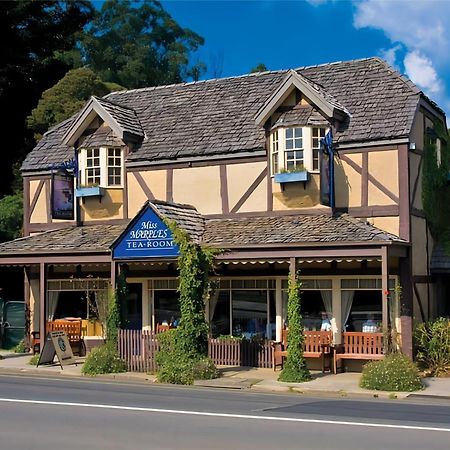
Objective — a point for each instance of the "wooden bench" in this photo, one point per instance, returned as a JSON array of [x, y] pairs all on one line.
[[359, 346], [72, 329], [316, 345]]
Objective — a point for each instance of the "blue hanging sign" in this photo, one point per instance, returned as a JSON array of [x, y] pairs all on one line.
[[147, 236]]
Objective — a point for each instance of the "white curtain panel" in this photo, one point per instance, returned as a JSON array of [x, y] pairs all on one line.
[[52, 303], [347, 301]]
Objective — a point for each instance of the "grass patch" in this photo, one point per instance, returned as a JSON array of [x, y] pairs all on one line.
[[34, 359]]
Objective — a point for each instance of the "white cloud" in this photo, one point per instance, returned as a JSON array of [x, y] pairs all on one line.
[[420, 70], [390, 55], [419, 24]]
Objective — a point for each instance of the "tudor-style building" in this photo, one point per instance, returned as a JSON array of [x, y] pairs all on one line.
[[236, 162]]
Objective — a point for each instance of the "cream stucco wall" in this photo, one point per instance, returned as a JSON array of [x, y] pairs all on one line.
[[39, 214], [200, 187], [383, 166], [239, 178], [348, 182], [109, 206], [296, 195], [389, 224], [417, 132], [414, 163], [155, 179]]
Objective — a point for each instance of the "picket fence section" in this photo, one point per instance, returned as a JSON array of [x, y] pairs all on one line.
[[138, 349]]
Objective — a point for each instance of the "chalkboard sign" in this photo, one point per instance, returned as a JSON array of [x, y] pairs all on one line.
[[57, 343]]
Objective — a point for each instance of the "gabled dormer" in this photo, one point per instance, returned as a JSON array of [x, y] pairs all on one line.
[[296, 117]]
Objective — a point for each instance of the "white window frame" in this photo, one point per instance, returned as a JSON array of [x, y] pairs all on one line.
[[103, 166], [280, 151]]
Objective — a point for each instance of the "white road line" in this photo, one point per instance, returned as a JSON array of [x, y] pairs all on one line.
[[224, 415]]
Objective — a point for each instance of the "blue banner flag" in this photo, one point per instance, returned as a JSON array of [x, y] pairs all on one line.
[[327, 170]]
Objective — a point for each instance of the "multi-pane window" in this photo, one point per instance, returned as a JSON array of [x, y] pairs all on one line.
[[93, 166], [114, 165], [101, 167], [296, 148], [317, 135], [275, 165], [294, 152]]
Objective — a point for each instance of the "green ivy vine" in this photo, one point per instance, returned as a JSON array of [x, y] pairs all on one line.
[[294, 369], [435, 189]]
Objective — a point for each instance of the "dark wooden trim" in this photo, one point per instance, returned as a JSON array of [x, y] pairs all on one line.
[[55, 259], [345, 151], [373, 180], [407, 335], [416, 183], [417, 213], [250, 190], [36, 177], [417, 151], [27, 300], [419, 302], [207, 163], [365, 180], [224, 188], [169, 185], [125, 195], [38, 227], [36, 198], [144, 186], [42, 295], [301, 253], [26, 207], [113, 274], [269, 190], [403, 191], [293, 212], [48, 194], [423, 279], [371, 211], [385, 287]]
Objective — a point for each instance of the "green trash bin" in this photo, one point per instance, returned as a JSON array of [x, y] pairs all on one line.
[[12, 323]]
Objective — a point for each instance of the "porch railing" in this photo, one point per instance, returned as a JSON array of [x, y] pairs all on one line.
[[138, 349]]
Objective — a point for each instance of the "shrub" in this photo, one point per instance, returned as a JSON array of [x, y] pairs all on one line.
[[396, 372], [20, 347], [433, 346], [178, 367], [103, 359], [34, 359]]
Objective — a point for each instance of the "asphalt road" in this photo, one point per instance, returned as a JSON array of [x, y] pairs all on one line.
[[43, 413]]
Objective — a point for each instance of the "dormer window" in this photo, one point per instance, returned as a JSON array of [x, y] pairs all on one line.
[[295, 148], [101, 166]]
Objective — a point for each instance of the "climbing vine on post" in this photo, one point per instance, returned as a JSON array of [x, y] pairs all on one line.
[[435, 189], [183, 355], [294, 369]]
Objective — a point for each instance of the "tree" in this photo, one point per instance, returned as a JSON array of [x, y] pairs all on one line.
[[259, 68], [139, 46], [31, 34], [67, 97], [295, 370]]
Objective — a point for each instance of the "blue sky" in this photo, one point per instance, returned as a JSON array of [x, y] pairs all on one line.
[[413, 36]]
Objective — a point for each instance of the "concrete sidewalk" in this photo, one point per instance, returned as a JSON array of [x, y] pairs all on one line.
[[261, 380]]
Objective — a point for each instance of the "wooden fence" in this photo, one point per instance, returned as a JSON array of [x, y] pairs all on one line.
[[138, 349]]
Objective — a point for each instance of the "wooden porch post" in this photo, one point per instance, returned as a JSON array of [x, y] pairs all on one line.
[[42, 301], [292, 269], [27, 294], [113, 274], [278, 309], [384, 288]]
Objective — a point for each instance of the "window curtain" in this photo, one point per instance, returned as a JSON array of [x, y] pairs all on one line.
[[347, 302], [212, 304], [327, 298], [52, 303]]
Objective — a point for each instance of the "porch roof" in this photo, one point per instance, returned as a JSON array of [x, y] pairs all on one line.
[[251, 232], [440, 259]]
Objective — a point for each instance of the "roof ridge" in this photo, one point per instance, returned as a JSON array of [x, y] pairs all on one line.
[[104, 99]]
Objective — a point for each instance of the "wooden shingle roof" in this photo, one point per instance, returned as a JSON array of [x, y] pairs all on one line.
[[217, 117]]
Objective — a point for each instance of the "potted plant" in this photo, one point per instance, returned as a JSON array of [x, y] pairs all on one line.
[[297, 173], [89, 190]]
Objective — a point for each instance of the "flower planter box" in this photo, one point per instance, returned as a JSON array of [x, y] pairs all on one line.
[[291, 177], [89, 191]]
